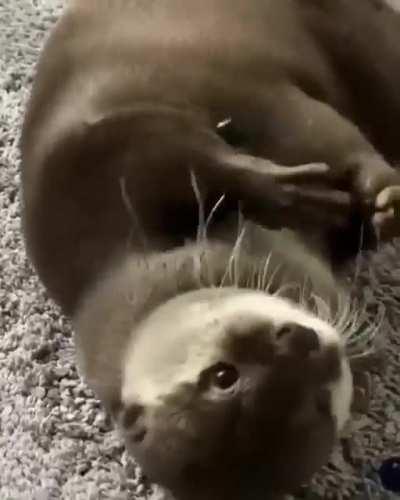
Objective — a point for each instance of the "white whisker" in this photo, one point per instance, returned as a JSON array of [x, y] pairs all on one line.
[[127, 201], [272, 277], [359, 257], [201, 222], [264, 281], [212, 213], [323, 310], [234, 255]]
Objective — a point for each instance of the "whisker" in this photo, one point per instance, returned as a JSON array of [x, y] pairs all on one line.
[[344, 315], [323, 310], [234, 255], [127, 201], [212, 213], [264, 282], [359, 257], [240, 237], [201, 222], [359, 342], [272, 277]]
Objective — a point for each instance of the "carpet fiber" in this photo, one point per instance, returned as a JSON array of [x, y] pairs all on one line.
[[55, 442]]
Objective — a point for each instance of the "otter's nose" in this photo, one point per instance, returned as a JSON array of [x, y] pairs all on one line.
[[297, 340]]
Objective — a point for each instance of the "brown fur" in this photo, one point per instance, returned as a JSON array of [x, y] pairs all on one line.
[[298, 78], [123, 117]]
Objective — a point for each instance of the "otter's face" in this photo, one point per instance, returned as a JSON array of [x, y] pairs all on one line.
[[223, 388]]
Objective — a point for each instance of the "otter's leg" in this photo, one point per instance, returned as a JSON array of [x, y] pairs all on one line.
[[301, 129], [281, 196], [273, 195]]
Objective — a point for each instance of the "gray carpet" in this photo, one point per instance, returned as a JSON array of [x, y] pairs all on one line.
[[55, 442]]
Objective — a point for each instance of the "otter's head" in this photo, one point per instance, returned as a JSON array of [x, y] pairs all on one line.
[[226, 389]]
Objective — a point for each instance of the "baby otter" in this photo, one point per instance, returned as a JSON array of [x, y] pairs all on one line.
[[147, 126]]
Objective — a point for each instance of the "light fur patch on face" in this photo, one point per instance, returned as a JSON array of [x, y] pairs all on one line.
[[185, 336]]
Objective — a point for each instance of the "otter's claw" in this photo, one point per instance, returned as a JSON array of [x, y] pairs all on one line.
[[386, 219]]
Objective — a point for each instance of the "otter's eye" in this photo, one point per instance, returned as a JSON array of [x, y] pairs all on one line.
[[222, 376]]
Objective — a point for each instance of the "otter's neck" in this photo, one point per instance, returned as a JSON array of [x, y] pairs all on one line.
[[109, 314], [108, 317]]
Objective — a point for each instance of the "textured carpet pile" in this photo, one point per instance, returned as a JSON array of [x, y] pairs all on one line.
[[55, 442]]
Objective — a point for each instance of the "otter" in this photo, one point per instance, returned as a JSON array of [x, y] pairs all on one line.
[[189, 172]]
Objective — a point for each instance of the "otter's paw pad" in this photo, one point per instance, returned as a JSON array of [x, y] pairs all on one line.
[[386, 219]]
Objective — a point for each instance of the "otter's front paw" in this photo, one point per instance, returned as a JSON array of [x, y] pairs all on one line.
[[386, 219], [377, 186]]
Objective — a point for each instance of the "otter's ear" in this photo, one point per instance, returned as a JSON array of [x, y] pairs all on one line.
[[125, 416], [129, 415], [113, 409], [131, 423]]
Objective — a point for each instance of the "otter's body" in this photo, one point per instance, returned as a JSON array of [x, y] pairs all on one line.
[[142, 115], [116, 77]]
